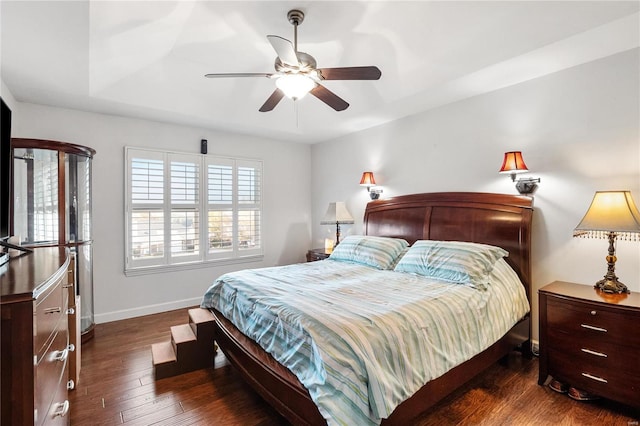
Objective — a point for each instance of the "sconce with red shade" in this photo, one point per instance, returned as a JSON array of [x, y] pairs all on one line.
[[369, 181], [513, 164]]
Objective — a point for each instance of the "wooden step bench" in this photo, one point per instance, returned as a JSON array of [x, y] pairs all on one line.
[[191, 347]]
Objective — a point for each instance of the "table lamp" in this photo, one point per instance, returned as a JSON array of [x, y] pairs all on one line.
[[611, 215], [337, 213]]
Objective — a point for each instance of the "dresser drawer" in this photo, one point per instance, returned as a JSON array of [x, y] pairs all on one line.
[[59, 410], [595, 377], [595, 351], [52, 376], [590, 321], [51, 307]]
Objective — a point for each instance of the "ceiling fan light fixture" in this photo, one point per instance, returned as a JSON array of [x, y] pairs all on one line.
[[295, 86]]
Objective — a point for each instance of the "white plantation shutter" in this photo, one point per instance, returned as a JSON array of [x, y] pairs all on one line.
[[185, 207], [249, 205], [220, 214], [190, 209], [146, 245], [234, 189]]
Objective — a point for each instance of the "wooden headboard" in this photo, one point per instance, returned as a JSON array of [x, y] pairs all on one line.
[[497, 219]]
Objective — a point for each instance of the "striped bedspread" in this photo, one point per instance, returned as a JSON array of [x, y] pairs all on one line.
[[362, 340]]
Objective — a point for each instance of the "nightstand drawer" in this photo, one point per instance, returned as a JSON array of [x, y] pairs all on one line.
[[595, 378], [587, 321], [606, 355]]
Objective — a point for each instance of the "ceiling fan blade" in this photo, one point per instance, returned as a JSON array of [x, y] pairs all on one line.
[[239, 74], [350, 73], [273, 100], [284, 49], [329, 98]]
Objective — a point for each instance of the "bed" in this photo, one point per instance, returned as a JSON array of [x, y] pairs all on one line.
[[493, 219]]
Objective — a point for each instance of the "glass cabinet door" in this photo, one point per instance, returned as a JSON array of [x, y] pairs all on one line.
[[78, 194], [35, 204]]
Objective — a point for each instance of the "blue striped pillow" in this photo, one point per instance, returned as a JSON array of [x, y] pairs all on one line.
[[379, 252], [453, 261]]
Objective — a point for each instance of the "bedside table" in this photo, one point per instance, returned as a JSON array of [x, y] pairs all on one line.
[[317, 254], [590, 340]]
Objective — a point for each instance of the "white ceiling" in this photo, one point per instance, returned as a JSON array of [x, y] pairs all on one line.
[[147, 59]]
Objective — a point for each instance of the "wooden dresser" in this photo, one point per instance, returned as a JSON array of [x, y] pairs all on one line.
[[591, 340], [34, 297]]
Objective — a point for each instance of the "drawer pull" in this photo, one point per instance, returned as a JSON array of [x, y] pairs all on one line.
[[589, 351], [596, 378], [62, 409], [591, 327], [593, 312], [71, 385], [71, 311], [60, 355], [53, 310]]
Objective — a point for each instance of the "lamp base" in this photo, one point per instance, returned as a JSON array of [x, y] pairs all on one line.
[[611, 286]]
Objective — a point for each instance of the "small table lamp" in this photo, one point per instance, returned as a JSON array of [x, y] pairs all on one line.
[[611, 214], [337, 213]]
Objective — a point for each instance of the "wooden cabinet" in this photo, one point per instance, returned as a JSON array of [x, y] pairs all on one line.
[[317, 254], [35, 337], [52, 206], [591, 340]]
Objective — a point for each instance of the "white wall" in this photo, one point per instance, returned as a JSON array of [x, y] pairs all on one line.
[[286, 201], [7, 96], [578, 131]]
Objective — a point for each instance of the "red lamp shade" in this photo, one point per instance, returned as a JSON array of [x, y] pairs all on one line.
[[513, 163], [367, 179]]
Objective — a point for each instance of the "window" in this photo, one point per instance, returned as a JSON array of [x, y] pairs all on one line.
[[187, 209]]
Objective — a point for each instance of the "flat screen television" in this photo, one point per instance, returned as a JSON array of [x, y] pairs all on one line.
[[5, 171], [6, 160]]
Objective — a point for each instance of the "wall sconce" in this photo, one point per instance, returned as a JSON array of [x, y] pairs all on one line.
[[514, 164], [611, 214], [369, 181], [337, 213]]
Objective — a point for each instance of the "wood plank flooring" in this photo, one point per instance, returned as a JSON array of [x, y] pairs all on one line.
[[117, 386]]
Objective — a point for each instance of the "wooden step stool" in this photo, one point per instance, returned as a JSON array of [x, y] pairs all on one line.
[[191, 347]]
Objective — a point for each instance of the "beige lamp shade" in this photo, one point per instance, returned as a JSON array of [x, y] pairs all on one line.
[[610, 211], [337, 213]]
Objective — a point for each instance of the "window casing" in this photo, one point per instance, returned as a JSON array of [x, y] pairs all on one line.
[[190, 209]]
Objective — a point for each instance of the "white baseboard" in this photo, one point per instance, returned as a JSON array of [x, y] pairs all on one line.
[[535, 347], [146, 310]]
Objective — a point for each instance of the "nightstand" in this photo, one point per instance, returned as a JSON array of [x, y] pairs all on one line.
[[590, 340], [317, 254]]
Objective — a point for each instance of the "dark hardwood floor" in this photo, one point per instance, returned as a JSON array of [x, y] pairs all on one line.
[[117, 387]]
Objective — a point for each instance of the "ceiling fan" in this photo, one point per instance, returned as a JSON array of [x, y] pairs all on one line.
[[296, 73]]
